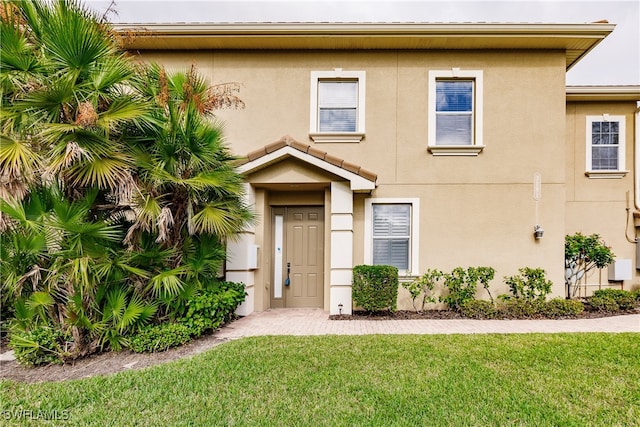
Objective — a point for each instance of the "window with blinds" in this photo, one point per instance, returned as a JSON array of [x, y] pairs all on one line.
[[337, 105], [454, 112], [391, 235], [605, 138]]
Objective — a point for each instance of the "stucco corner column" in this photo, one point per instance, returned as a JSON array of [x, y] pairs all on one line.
[[242, 260], [341, 248]]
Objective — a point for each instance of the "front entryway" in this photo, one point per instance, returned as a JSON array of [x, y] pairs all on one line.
[[298, 256]]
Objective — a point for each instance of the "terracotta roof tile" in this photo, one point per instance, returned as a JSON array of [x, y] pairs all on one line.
[[287, 140]]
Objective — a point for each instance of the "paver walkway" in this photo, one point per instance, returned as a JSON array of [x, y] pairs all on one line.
[[316, 322]]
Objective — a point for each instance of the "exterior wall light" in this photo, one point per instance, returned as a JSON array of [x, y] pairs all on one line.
[[538, 232], [340, 308]]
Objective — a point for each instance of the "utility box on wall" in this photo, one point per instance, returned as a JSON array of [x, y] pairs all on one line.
[[619, 270]]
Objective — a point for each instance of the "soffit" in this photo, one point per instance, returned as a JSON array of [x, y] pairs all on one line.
[[575, 39], [603, 93]]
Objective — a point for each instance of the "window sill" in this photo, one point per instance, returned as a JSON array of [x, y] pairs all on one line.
[[337, 137], [606, 174], [455, 150]]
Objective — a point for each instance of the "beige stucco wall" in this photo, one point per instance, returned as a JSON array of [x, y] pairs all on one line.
[[474, 210], [600, 205]]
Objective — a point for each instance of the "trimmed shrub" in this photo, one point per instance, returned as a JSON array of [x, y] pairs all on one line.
[[560, 307], [604, 303], [518, 308], [208, 309], [479, 309], [41, 345], [625, 299], [375, 287], [160, 337], [530, 284]]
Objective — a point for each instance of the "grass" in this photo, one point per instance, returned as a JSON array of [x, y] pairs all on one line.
[[383, 380]]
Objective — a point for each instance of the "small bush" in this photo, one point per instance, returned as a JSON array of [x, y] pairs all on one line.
[[41, 345], [604, 303], [518, 308], [375, 287], [160, 337], [421, 289], [625, 299], [560, 307], [208, 309], [462, 285], [479, 309], [530, 284]]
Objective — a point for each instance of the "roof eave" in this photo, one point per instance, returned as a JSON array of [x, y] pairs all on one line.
[[628, 93], [576, 39]]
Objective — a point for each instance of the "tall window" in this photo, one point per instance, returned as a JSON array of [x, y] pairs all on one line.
[[391, 233], [605, 143], [455, 112], [337, 106]]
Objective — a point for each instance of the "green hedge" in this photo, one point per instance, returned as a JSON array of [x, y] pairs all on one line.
[[613, 300], [159, 337], [208, 309], [42, 345], [375, 287]]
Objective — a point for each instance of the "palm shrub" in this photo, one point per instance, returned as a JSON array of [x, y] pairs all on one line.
[[117, 189]]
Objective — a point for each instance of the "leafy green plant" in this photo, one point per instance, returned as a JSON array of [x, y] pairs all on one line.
[[375, 287], [207, 309], [518, 308], [604, 303], [462, 285], [530, 284], [42, 345], [421, 288], [159, 337], [625, 299], [479, 309], [581, 255], [561, 307]]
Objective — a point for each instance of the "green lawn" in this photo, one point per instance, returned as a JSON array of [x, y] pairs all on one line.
[[532, 379]]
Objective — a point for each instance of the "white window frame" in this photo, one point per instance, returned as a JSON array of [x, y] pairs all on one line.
[[337, 74], [476, 145], [414, 244], [620, 171]]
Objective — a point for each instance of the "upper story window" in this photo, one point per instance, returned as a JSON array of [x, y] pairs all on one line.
[[337, 106], [455, 112], [605, 146], [391, 233]]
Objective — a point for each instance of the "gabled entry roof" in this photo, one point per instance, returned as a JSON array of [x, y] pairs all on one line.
[[360, 179]]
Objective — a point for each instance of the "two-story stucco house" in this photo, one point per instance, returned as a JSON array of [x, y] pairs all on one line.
[[416, 145]]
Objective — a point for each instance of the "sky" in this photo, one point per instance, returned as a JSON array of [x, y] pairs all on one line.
[[615, 61]]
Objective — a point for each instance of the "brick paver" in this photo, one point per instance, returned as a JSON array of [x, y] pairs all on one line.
[[316, 322]]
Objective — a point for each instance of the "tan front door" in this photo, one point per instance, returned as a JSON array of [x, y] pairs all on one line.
[[302, 261]]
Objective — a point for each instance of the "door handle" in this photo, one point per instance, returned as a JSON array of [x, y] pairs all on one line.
[[287, 281]]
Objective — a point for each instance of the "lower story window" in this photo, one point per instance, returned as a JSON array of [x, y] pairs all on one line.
[[391, 233]]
